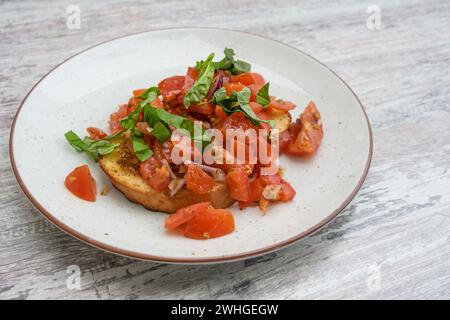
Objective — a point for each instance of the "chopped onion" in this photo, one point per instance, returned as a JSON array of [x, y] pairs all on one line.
[[175, 185], [166, 164], [272, 192]]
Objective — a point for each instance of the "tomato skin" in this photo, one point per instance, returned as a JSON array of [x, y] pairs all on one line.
[[96, 133], [197, 180], [238, 184], [138, 92], [171, 87], [220, 114], [287, 192], [256, 189], [307, 133], [114, 119], [157, 103], [248, 78], [254, 89], [280, 105], [205, 108], [190, 78], [211, 223], [154, 174], [233, 86], [185, 214], [81, 183]]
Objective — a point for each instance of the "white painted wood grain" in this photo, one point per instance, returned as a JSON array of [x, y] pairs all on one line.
[[393, 241]]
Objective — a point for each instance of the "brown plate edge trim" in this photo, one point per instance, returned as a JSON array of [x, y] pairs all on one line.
[[146, 257]]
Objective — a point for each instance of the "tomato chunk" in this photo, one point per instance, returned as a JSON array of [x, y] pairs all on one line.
[[96, 133], [197, 180], [171, 87], [185, 214], [81, 183], [114, 120], [280, 105], [211, 223], [238, 184], [234, 86], [154, 174], [307, 140], [248, 78], [138, 92]]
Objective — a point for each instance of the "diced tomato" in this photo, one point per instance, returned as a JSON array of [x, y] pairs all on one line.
[[171, 87], [157, 103], [254, 89], [255, 193], [185, 214], [238, 184], [236, 120], [96, 133], [287, 192], [284, 140], [190, 78], [308, 139], [281, 105], [81, 183], [234, 86], [154, 174], [205, 108], [211, 223], [114, 119], [138, 92], [273, 179], [220, 114], [256, 107], [249, 78], [197, 180]]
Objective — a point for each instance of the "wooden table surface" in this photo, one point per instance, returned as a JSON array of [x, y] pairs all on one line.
[[392, 241]]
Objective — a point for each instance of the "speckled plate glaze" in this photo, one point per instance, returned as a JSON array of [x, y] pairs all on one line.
[[85, 89]]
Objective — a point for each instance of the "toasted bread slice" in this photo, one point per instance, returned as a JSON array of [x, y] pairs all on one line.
[[122, 169]]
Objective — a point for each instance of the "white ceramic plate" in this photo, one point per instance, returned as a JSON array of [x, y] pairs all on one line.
[[85, 89]]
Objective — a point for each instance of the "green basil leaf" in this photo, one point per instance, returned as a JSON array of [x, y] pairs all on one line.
[[107, 149], [91, 147], [161, 132], [150, 94], [201, 86], [115, 135], [127, 123], [150, 115], [229, 63], [140, 148], [75, 141], [169, 118], [262, 97]]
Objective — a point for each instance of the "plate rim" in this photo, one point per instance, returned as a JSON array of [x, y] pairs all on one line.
[[161, 259]]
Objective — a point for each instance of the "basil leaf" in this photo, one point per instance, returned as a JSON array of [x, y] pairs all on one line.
[[150, 94], [91, 147], [115, 135], [229, 63], [107, 149], [239, 102], [161, 132], [75, 141], [140, 148], [262, 97], [201, 86], [240, 66], [169, 118]]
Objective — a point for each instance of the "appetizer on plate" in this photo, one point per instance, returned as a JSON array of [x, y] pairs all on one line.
[[196, 143]]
